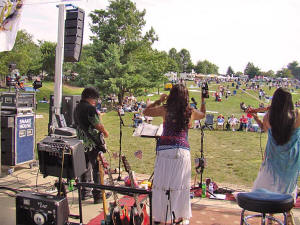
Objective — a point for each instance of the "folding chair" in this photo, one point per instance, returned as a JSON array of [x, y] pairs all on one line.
[[209, 122]]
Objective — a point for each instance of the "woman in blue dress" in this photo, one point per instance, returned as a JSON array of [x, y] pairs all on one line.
[[281, 164]]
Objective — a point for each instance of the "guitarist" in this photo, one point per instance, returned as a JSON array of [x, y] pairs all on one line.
[[89, 128]]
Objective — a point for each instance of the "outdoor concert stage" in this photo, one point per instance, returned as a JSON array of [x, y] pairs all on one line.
[[205, 211]]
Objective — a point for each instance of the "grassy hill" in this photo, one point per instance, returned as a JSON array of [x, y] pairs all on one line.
[[232, 157]]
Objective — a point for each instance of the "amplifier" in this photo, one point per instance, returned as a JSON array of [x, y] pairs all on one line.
[[37, 208], [54, 152], [13, 100]]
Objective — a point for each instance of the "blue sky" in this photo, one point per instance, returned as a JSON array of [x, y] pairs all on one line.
[[225, 32]]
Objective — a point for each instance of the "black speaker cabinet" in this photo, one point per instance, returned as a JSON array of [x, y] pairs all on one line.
[[68, 105], [37, 208], [57, 154]]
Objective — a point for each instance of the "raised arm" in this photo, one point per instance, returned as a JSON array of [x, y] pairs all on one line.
[[198, 115], [155, 108]]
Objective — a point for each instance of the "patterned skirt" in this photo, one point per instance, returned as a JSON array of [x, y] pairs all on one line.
[[171, 185]]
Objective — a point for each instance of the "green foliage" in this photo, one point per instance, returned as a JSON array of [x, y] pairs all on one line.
[[295, 69], [239, 73], [251, 70], [284, 73], [121, 59], [206, 67], [269, 73], [230, 71], [47, 49], [25, 54]]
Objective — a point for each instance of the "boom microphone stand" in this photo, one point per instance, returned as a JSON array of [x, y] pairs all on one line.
[[120, 152]]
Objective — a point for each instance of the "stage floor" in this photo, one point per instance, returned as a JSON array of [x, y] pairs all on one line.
[[205, 211]]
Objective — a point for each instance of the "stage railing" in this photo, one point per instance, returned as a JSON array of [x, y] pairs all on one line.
[[122, 190]]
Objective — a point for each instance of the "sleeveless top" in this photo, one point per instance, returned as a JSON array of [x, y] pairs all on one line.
[[171, 139], [280, 169]]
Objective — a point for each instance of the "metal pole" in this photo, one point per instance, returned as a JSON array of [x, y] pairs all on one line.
[[0, 138], [59, 60]]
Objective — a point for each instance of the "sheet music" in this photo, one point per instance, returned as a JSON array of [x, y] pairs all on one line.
[[148, 130]]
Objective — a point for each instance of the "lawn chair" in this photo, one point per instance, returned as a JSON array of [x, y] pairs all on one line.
[[209, 122]]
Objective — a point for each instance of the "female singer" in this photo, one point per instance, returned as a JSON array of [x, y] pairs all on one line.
[[281, 165], [172, 172]]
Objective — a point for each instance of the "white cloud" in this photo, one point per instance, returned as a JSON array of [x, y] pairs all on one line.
[[227, 33]]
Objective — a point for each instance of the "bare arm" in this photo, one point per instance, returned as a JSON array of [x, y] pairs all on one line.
[[297, 118], [155, 109], [264, 125], [102, 129], [198, 115]]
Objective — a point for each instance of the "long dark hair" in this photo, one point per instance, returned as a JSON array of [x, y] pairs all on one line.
[[282, 116], [178, 109]]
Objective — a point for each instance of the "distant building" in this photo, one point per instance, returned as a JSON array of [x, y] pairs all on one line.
[[172, 76]]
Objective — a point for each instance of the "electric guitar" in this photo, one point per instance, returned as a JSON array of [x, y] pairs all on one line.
[[115, 209], [101, 173], [136, 214]]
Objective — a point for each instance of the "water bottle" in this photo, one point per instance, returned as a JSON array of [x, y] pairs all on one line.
[[211, 188], [203, 190]]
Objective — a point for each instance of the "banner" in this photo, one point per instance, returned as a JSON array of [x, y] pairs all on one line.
[[10, 15]]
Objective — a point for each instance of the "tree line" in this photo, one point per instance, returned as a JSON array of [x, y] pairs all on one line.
[[120, 57]]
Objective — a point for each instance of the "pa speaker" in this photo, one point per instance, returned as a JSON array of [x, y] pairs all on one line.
[[74, 25]]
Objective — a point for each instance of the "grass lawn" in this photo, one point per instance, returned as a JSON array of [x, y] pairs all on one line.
[[232, 157]]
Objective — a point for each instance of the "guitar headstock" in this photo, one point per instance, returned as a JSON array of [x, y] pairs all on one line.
[[102, 160], [126, 164]]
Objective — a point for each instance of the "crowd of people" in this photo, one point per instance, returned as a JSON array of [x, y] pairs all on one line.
[[172, 171]]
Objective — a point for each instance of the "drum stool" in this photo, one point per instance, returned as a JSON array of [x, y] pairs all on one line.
[[264, 203]]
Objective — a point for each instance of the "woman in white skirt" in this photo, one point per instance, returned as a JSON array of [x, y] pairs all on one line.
[[172, 172]]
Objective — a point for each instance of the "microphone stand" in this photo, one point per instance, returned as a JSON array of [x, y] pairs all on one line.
[[201, 164], [120, 152]]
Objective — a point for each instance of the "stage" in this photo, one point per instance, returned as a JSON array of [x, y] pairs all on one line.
[[205, 211]]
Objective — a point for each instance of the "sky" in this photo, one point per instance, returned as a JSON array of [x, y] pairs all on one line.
[[224, 32]]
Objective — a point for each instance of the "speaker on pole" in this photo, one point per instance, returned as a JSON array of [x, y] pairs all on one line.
[[74, 25]]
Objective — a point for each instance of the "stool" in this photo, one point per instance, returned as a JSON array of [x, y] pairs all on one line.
[[264, 203]]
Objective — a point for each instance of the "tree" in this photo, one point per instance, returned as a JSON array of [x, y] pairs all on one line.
[[251, 70], [122, 54], [239, 73], [25, 54], [206, 67], [230, 71], [47, 49], [284, 73], [269, 73], [185, 62], [295, 69]]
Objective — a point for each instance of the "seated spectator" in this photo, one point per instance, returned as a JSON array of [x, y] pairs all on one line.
[[121, 111], [220, 121], [261, 105], [243, 123], [243, 106], [249, 118], [197, 124], [193, 104], [137, 119], [233, 122]]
